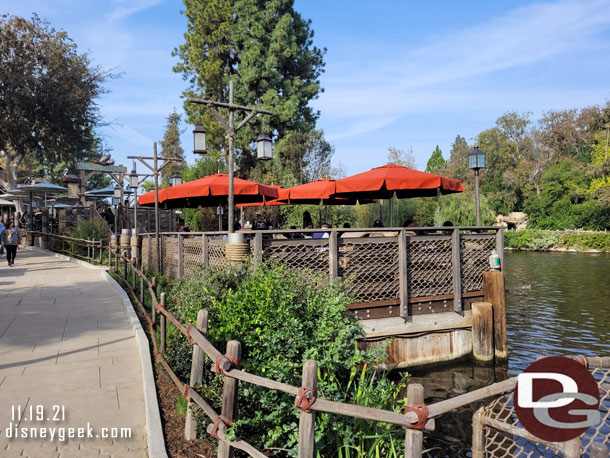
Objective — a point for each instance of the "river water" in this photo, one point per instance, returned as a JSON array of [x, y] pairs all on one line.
[[556, 304]]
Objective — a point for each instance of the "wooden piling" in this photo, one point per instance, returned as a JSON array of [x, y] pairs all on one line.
[[307, 420], [197, 366], [482, 332], [163, 330], [152, 301], [229, 396], [414, 439], [478, 435], [493, 287], [598, 450]]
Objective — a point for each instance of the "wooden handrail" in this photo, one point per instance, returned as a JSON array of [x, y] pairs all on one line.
[[322, 405]]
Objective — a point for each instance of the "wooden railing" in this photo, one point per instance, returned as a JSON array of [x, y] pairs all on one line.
[[137, 284], [392, 269], [87, 249]]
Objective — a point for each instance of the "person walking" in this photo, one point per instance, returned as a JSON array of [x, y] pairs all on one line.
[[1, 244], [11, 238]]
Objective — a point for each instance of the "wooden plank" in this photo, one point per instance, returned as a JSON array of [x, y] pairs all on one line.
[[457, 271], [414, 439], [493, 286], [307, 420], [229, 397], [258, 249], [482, 332], [163, 330], [421, 324], [412, 300], [197, 366], [205, 250], [403, 275], [333, 252], [180, 256]]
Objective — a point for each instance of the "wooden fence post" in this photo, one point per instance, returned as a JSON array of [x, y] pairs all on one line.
[[149, 248], [307, 420], [229, 396], [482, 332], [333, 256], [598, 450], [205, 250], [154, 310], [180, 257], [493, 287], [142, 291], [403, 274], [500, 246], [571, 448], [163, 319], [478, 436], [457, 271], [197, 367], [414, 439], [125, 270], [258, 249]]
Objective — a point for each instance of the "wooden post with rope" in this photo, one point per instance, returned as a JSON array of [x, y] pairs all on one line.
[[307, 420], [197, 367], [163, 331], [229, 397], [414, 438]]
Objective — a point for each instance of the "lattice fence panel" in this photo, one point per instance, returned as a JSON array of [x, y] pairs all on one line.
[[170, 259], [429, 267], [602, 432], [193, 255], [499, 444], [153, 255], [145, 252], [311, 255], [217, 256], [370, 269], [474, 253]]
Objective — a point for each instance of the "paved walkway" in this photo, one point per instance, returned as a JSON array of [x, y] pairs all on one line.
[[68, 357]]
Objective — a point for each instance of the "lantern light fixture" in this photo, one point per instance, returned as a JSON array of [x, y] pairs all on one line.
[[199, 139], [476, 159], [264, 146]]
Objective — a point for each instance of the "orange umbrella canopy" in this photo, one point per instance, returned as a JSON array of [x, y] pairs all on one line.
[[319, 191], [210, 191], [383, 182], [281, 200]]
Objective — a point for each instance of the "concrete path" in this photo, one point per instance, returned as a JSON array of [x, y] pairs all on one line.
[[68, 359]]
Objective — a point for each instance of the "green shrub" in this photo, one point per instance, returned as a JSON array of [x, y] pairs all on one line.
[[283, 318], [529, 239], [90, 229], [586, 240]]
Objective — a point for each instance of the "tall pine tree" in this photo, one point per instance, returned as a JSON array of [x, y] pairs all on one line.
[[436, 163], [170, 146], [267, 48]]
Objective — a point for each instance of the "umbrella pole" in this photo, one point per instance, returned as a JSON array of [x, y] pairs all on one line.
[[391, 211], [320, 213], [381, 210]]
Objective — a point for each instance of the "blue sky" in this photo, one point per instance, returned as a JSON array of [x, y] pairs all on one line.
[[402, 74]]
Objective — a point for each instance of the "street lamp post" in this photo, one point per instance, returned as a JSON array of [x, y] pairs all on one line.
[[116, 200], [263, 143], [156, 170], [476, 161]]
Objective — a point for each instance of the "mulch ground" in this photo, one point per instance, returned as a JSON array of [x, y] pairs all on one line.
[[173, 422]]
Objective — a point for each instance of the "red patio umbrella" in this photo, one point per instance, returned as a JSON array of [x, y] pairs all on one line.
[[281, 200], [383, 182], [210, 191], [320, 191]]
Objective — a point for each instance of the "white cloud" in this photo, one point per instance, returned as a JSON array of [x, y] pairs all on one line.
[[440, 75]]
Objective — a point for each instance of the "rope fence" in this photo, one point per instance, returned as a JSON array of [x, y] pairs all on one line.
[[417, 418]]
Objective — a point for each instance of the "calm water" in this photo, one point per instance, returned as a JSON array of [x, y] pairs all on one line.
[[557, 304]]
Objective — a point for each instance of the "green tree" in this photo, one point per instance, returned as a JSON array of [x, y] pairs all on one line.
[[457, 166], [170, 146], [305, 154], [436, 163], [48, 90], [266, 47], [401, 157]]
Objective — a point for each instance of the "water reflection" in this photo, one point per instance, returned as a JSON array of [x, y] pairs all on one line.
[[557, 304]]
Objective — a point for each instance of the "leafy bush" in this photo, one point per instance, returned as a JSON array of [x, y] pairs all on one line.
[[90, 229], [283, 318], [532, 239], [529, 239], [586, 240]]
